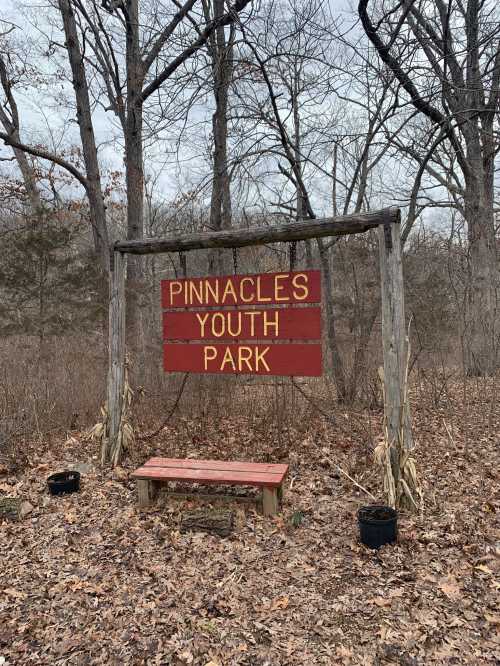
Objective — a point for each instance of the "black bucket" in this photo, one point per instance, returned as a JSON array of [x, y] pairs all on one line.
[[64, 482], [378, 525]]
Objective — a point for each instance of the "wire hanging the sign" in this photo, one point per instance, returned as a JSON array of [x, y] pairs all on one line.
[[183, 264], [235, 260], [293, 254]]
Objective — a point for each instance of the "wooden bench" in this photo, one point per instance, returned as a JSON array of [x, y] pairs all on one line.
[[158, 471]]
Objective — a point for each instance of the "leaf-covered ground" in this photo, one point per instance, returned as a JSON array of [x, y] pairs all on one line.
[[90, 579]]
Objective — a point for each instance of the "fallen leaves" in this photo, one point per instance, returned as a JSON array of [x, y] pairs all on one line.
[[90, 579], [14, 594], [25, 508], [279, 603], [450, 588], [492, 619], [381, 602]]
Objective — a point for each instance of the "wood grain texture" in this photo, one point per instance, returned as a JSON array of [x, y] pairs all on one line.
[[144, 492], [217, 521], [393, 338], [116, 368], [270, 503], [223, 477], [292, 360], [294, 231], [270, 324], [284, 288], [220, 465]]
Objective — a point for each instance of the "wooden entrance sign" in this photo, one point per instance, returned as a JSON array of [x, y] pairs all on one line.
[[258, 339], [386, 220]]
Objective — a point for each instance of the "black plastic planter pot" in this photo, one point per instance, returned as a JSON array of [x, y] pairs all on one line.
[[378, 525], [64, 482]]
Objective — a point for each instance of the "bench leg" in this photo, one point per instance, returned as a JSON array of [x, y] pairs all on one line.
[[145, 492], [270, 501]]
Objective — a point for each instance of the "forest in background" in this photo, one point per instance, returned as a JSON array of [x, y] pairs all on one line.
[[128, 119], [215, 116]]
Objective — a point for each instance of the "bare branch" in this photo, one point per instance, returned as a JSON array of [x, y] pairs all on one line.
[[45, 155], [225, 19]]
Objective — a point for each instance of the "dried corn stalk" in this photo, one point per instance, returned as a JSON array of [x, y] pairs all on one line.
[[401, 485], [126, 436]]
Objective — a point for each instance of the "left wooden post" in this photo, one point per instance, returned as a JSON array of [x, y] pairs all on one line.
[[116, 350]]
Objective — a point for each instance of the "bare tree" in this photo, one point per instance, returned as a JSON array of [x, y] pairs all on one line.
[[446, 56], [9, 118], [85, 124], [331, 119], [155, 46], [220, 48], [90, 179]]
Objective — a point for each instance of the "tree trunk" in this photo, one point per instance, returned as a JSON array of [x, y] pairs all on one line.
[[300, 205], [464, 108], [11, 126], [28, 178], [84, 116], [481, 302], [331, 334], [134, 177], [222, 66]]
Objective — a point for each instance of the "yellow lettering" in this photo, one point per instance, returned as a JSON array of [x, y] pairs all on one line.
[[214, 292], [218, 316], [228, 358], [260, 298], [175, 290], [302, 287], [198, 293], [252, 314], [271, 324], [251, 297], [244, 358], [237, 315], [279, 287], [202, 321], [229, 289], [206, 357], [259, 357]]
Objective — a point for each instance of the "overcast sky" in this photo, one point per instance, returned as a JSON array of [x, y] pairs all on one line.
[[54, 124]]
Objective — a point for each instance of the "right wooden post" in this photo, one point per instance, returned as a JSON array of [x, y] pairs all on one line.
[[395, 349]]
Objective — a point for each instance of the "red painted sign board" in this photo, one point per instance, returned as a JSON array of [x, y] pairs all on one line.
[[284, 288], [244, 324], [236, 309], [300, 360]]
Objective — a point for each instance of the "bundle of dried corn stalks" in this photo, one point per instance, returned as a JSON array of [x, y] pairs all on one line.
[[401, 485], [126, 436]]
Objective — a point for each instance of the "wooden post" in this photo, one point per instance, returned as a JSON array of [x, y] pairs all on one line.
[[270, 501], [394, 345], [144, 492], [116, 371]]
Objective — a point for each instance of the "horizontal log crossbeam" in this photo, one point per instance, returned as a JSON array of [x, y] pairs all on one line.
[[293, 231], [394, 334]]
